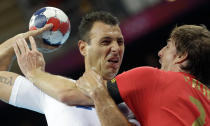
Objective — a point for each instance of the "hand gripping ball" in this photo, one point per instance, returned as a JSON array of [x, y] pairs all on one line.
[[58, 34]]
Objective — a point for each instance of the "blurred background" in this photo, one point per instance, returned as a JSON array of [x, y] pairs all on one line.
[[146, 25]]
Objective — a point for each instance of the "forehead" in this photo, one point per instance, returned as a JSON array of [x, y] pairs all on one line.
[[100, 29], [170, 41]]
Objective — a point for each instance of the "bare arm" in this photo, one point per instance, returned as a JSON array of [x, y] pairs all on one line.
[[108, 112], [7, 80], [93, 86], [32, 64], [6, 48], [59, 87]]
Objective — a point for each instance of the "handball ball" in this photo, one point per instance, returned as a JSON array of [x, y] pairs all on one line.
[[58, 34]]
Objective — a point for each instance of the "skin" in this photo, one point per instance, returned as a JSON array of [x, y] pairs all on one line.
[[103, 54], [105, 51], [93, 85], [170, 59], [7, 51], [7, 78]]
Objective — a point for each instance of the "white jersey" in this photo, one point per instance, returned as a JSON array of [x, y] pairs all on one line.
[[25, 95]]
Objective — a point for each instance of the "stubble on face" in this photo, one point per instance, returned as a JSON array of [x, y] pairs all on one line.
[[167, 56], [100, 35]]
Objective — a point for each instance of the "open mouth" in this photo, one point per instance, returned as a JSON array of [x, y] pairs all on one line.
[[113, 60]]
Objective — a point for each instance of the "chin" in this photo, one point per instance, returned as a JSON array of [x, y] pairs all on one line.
[[109, 76]]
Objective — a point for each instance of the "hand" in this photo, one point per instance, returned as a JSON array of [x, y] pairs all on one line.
[[7, 51], [34, 32], [92, 84], [28, 60]]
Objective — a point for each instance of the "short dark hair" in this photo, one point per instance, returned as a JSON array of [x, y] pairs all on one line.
[[89, 19], [195, 41]]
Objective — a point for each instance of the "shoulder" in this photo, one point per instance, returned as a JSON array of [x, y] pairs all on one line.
[[139, 78], [139, 71]]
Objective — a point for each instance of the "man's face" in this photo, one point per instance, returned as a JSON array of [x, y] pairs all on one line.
[[168, 55], [105, 50]]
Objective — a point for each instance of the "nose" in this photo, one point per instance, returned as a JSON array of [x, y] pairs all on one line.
[[160, 53], [115, 47]]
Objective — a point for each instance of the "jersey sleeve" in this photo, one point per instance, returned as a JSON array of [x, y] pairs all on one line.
[[25, 95], [136, 80], [114, 91], [136, 85]]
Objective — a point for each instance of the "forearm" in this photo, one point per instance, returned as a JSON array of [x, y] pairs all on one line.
[[75, 97], [7, 80], [108, 112], [6, 54], [60, 88], [52, 85], [6, 47]]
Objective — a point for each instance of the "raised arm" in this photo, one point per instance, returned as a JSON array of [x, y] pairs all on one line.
[[6, 50], [32, 64], [7, 79]]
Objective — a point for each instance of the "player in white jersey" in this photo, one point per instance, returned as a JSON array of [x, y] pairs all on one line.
[[25, 95]]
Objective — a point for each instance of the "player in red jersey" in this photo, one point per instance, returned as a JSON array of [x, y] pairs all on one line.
[[177, 94], [163, 98]]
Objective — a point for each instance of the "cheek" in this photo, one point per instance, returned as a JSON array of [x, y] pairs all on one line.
[[170, 56], [95, 56], [122, 51]]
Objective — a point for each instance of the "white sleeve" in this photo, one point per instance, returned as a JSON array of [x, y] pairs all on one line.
[[25, 95]]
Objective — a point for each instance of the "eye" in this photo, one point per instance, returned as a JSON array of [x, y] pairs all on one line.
[[167, 46], [106, 42], [120, 41]]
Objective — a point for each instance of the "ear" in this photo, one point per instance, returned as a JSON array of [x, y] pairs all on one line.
[[181, 58], [82, 47]]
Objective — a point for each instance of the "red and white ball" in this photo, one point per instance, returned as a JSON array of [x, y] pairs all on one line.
[[61, 25]]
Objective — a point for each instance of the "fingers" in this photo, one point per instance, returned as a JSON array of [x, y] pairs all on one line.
[[33, 43], [38, 31], [21, 46], [25, 45], [47, 27], [17, 52], [93, 72], [43, 29]]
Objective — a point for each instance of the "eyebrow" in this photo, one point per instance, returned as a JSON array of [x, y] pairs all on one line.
[[106, 37]]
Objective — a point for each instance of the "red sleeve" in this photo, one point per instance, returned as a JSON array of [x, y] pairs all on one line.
[[136, 85]]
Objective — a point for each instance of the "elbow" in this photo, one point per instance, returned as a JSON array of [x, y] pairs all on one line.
[[69, 97], [74, 97], [65, 97]]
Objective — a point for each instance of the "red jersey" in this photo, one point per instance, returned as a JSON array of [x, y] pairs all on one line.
[[160, 98]]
